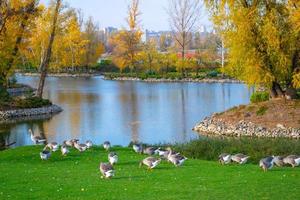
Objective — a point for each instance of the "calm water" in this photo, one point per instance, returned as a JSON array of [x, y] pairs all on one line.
[[124, 111]]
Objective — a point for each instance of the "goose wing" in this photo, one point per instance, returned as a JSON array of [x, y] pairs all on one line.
[[104, 167]]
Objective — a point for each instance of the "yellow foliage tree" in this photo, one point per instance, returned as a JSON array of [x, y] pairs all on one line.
[[72, 47], [127, 43], [149, 57], [94, 46], [167, 61], [16, 16], [263, 41]]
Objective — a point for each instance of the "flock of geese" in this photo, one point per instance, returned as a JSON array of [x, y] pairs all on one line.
[[107, 169], [265, 163]]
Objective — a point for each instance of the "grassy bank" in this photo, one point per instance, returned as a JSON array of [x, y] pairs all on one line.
[[24, 176], [24, 103], [209, 148]]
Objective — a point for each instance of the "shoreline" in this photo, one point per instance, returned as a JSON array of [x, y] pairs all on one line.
[[17, 115], [191, 80], [211, 126], [84, 75], [88, 75]]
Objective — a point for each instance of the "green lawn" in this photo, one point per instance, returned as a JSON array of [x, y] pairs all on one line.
[[24, 176]]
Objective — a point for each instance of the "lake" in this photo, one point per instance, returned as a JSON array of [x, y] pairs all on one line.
[[124, 111]]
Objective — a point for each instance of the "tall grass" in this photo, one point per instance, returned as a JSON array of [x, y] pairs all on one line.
[[256, 148]]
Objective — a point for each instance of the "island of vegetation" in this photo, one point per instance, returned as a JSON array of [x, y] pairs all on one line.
[[264, 51]]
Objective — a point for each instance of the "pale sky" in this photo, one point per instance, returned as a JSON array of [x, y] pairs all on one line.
[[113, 12]]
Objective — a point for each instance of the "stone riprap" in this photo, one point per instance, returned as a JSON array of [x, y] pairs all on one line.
[[62, 75], [218, 127], [30, 112], [175, 80]]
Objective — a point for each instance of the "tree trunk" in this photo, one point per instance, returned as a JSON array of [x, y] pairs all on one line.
[[182, 61], [276, 90], [46, 61]]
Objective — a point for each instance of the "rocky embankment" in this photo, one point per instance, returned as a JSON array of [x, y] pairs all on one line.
[[15, 114], [218, 127], [206, 80], [61, 75]]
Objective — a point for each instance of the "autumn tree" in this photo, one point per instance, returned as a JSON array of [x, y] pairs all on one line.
[[184, 17], [71, 45], [127, 43], [263, 41], [74, 44], [94, 46], [167, 61], [15, 16], [149, 56]]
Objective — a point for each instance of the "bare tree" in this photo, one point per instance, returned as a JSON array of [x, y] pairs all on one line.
[[184, 15], [46, 60]]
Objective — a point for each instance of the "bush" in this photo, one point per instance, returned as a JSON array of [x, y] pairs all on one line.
[[143, 76], [4, 96], [256, 148], [212, 74], [259, 97], [32, 102]]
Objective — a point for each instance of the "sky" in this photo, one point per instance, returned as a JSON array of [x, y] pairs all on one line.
[[113, 13]]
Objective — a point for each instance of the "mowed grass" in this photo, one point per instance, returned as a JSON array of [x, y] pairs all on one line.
[[23, 175]]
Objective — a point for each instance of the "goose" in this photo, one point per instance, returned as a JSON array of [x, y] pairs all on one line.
[[70, 143], [163, 153], [112, 158], [150, 162], [64, 150], [278, 161], [292, 160], [80, 147], [176, 159], [45, 155], [106, 170], [225, 158], [106, 145], [89, 144], [138, 148], [266, 163], [149, 151], [53, 146], [36, 139], [240, 158]]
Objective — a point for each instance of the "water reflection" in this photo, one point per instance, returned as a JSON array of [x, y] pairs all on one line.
[[122, 111]]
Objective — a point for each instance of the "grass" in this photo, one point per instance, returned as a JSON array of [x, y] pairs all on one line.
[[211, 147], [20, 103], [261, 111], [24, 176]]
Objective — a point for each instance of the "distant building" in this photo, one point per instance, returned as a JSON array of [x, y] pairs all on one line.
[[156, 37], [107, 33]]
